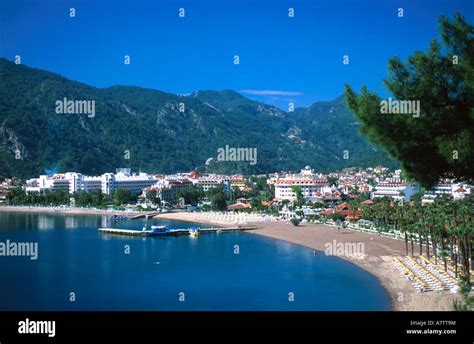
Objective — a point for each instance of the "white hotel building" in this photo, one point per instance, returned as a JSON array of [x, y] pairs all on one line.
[[395, 190], [446, 187], [310, 183], [107, 182]]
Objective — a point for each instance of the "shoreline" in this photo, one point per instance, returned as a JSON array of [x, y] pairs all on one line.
[[69, 210], [378, 254], [378, 251], [390, 292]]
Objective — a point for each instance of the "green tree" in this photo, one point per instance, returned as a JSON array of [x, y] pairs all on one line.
[[444, 85], [192, 195], [337, 217], [123, 196], [332, 180], [17, 196], [295, 222], [371, 181], [299, 195], [152, 197], [217, 197], [256, 203]]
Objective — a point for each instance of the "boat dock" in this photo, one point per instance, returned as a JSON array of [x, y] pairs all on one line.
[[171, 232], [146, 216]]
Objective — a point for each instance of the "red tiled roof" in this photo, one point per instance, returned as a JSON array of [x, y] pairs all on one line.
[[367, 202], [343, 206], [238, 206], [194, 174]]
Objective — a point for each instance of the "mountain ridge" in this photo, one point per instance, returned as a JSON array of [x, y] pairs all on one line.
[[156, 131]]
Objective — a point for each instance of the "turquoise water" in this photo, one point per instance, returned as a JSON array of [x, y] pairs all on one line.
[[157, 272]]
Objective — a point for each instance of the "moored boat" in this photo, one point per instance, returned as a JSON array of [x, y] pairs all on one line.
[[118, 217], [194, 231], [159, 230]]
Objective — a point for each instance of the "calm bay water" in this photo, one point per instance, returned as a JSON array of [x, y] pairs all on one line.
[[74, 257]]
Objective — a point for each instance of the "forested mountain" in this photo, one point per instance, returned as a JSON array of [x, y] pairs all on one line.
[[149, 130]]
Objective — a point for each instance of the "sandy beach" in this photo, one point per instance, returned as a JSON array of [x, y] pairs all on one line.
[[377, 259]]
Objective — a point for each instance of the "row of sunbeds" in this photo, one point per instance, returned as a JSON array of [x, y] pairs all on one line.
[[425, 275]]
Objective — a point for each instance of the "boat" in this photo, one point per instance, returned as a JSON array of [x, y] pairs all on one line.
[[118, 217], [159, 229], [219, 231], [194, 231]]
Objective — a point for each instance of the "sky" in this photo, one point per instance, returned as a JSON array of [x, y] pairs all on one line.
[[282, 59]]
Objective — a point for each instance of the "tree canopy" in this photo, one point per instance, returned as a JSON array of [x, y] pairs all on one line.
[[439, 141]]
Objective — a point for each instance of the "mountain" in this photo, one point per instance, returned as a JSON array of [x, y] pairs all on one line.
[[151, 131]]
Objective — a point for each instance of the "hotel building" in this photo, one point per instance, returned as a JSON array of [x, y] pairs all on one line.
[[447, 188], [76, 182], [167, 188], [395, 190], [312, 185]]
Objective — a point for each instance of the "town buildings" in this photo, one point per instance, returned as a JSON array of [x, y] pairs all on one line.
[[333, 188]]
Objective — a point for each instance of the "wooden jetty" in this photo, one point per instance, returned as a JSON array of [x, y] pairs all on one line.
[[171, 232]]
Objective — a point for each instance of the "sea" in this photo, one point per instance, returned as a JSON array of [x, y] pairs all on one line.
[[76, 267]]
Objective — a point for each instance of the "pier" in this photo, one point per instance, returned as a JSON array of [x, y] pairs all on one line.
[[146, 216], [171, 232]]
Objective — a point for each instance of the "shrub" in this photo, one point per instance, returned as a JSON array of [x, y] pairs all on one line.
[[295, 221]]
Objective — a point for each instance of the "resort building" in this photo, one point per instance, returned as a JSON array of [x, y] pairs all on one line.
[[447, 188], [5, 188], [76, 182], [79, 182], [239, 182], [44, 182], [461, 191], [212, 181], [134, 183], [345, 210], [167, 189], [310, 184], [398, 191]]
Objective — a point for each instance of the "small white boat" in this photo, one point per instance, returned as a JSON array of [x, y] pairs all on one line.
[[155, 230], [194, 231], [158, 227]]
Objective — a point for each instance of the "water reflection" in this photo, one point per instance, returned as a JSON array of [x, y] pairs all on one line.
[[71, 222]]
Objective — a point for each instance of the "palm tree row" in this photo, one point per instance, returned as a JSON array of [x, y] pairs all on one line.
[[445, 228]]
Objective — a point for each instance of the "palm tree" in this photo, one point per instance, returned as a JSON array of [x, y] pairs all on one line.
[[355, 204], [401, 217], [443, 225], [454, 231], [411, 225], [465, 232], [419, 225]]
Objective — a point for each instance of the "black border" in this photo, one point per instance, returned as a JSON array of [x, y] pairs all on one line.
[[374, 326]]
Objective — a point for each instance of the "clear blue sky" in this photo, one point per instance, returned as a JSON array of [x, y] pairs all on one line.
[[301, 55]]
